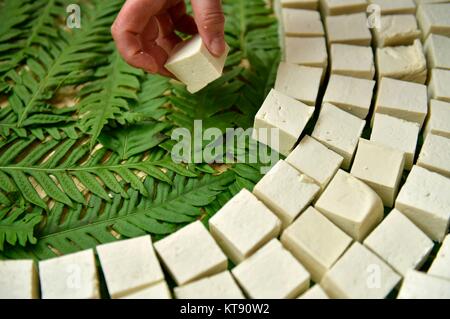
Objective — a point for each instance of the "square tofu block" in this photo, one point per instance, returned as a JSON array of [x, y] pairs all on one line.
[[129, 265], [401, 99], [352, 60], [380, 167], [316, 242], [441, 264], [220, 286], [300, 82], [71, 276], [315, 160], [353, 95], [272, 273], [424, 200], [191, 253], [193, 64], [243, 225], [418, 285], [437, 48], [283, 115], [438, 122], [395, 6], [302, 23], [18, 279], [351, 205], [435, 154], [307, 51], [315, 292], [398, 29], [360, 274], [348, 29], [439, 87], [405, 63], [335, 7], [157, 291], [286, 191], [339, 131], [400, 243], [434, 18], [397, 134], [300, 4]]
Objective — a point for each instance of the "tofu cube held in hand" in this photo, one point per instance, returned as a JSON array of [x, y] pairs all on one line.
[[194, 65]]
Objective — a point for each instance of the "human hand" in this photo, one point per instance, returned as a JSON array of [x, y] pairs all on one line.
[[144, 30]]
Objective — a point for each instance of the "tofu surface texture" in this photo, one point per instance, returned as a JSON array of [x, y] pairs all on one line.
[[360, 274], [438, 122], [338, 7], [418, 285], [220, 286], [243, 225], [315, 292], [437, 48], [316, 242], [441, 263], [300, 4], [395, 6], [434, 18], [72, 276], [18, 279], [435, 154], [308, 51], [351, 205], [193, 64], [424, 200], [302, 23], [191, 253], [400, 243], [352, 60], [439, 86], [129, 265], [286, 191], [157, 291], [397, 29], [348, 29]]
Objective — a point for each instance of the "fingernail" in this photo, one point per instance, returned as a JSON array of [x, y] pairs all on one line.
[[217, 46]]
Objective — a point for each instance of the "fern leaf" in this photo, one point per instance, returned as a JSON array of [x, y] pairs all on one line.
[[18, 226]]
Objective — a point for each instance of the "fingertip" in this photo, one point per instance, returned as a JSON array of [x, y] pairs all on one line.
[[217, 46]]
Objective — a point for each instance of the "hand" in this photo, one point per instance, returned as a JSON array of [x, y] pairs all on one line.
[[144, 30]]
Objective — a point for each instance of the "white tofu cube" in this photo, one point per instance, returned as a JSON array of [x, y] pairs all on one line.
[[299, 82], [352, 60], [395, 7], [71, 276], [339, 131], [397, 134], [156, 291], [400, 243], [395, 30], [316, 242], [434, 18], [18, 279], [272, 273], [286, 191], [439, 86], [336, 7], [315, 160], [129, 265], [424, 200], [220, 286], [380, 167], [315, 292], [193, 64], [435, 155], [348, 29], [300, 4], [352, 95], [351, 205], [401, 99], [418, 285], [437, 48], [307, 51], [441, 264], [302, 23], [191, 253], [284, 115], [439, 119], [405, 63], [360, 274], [243, 225]]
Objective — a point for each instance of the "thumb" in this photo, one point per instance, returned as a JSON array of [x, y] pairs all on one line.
[[211, 24]]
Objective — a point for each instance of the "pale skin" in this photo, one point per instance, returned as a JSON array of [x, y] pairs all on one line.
[[144, 30]]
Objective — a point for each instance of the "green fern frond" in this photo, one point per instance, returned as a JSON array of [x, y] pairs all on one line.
[[17, 226]]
